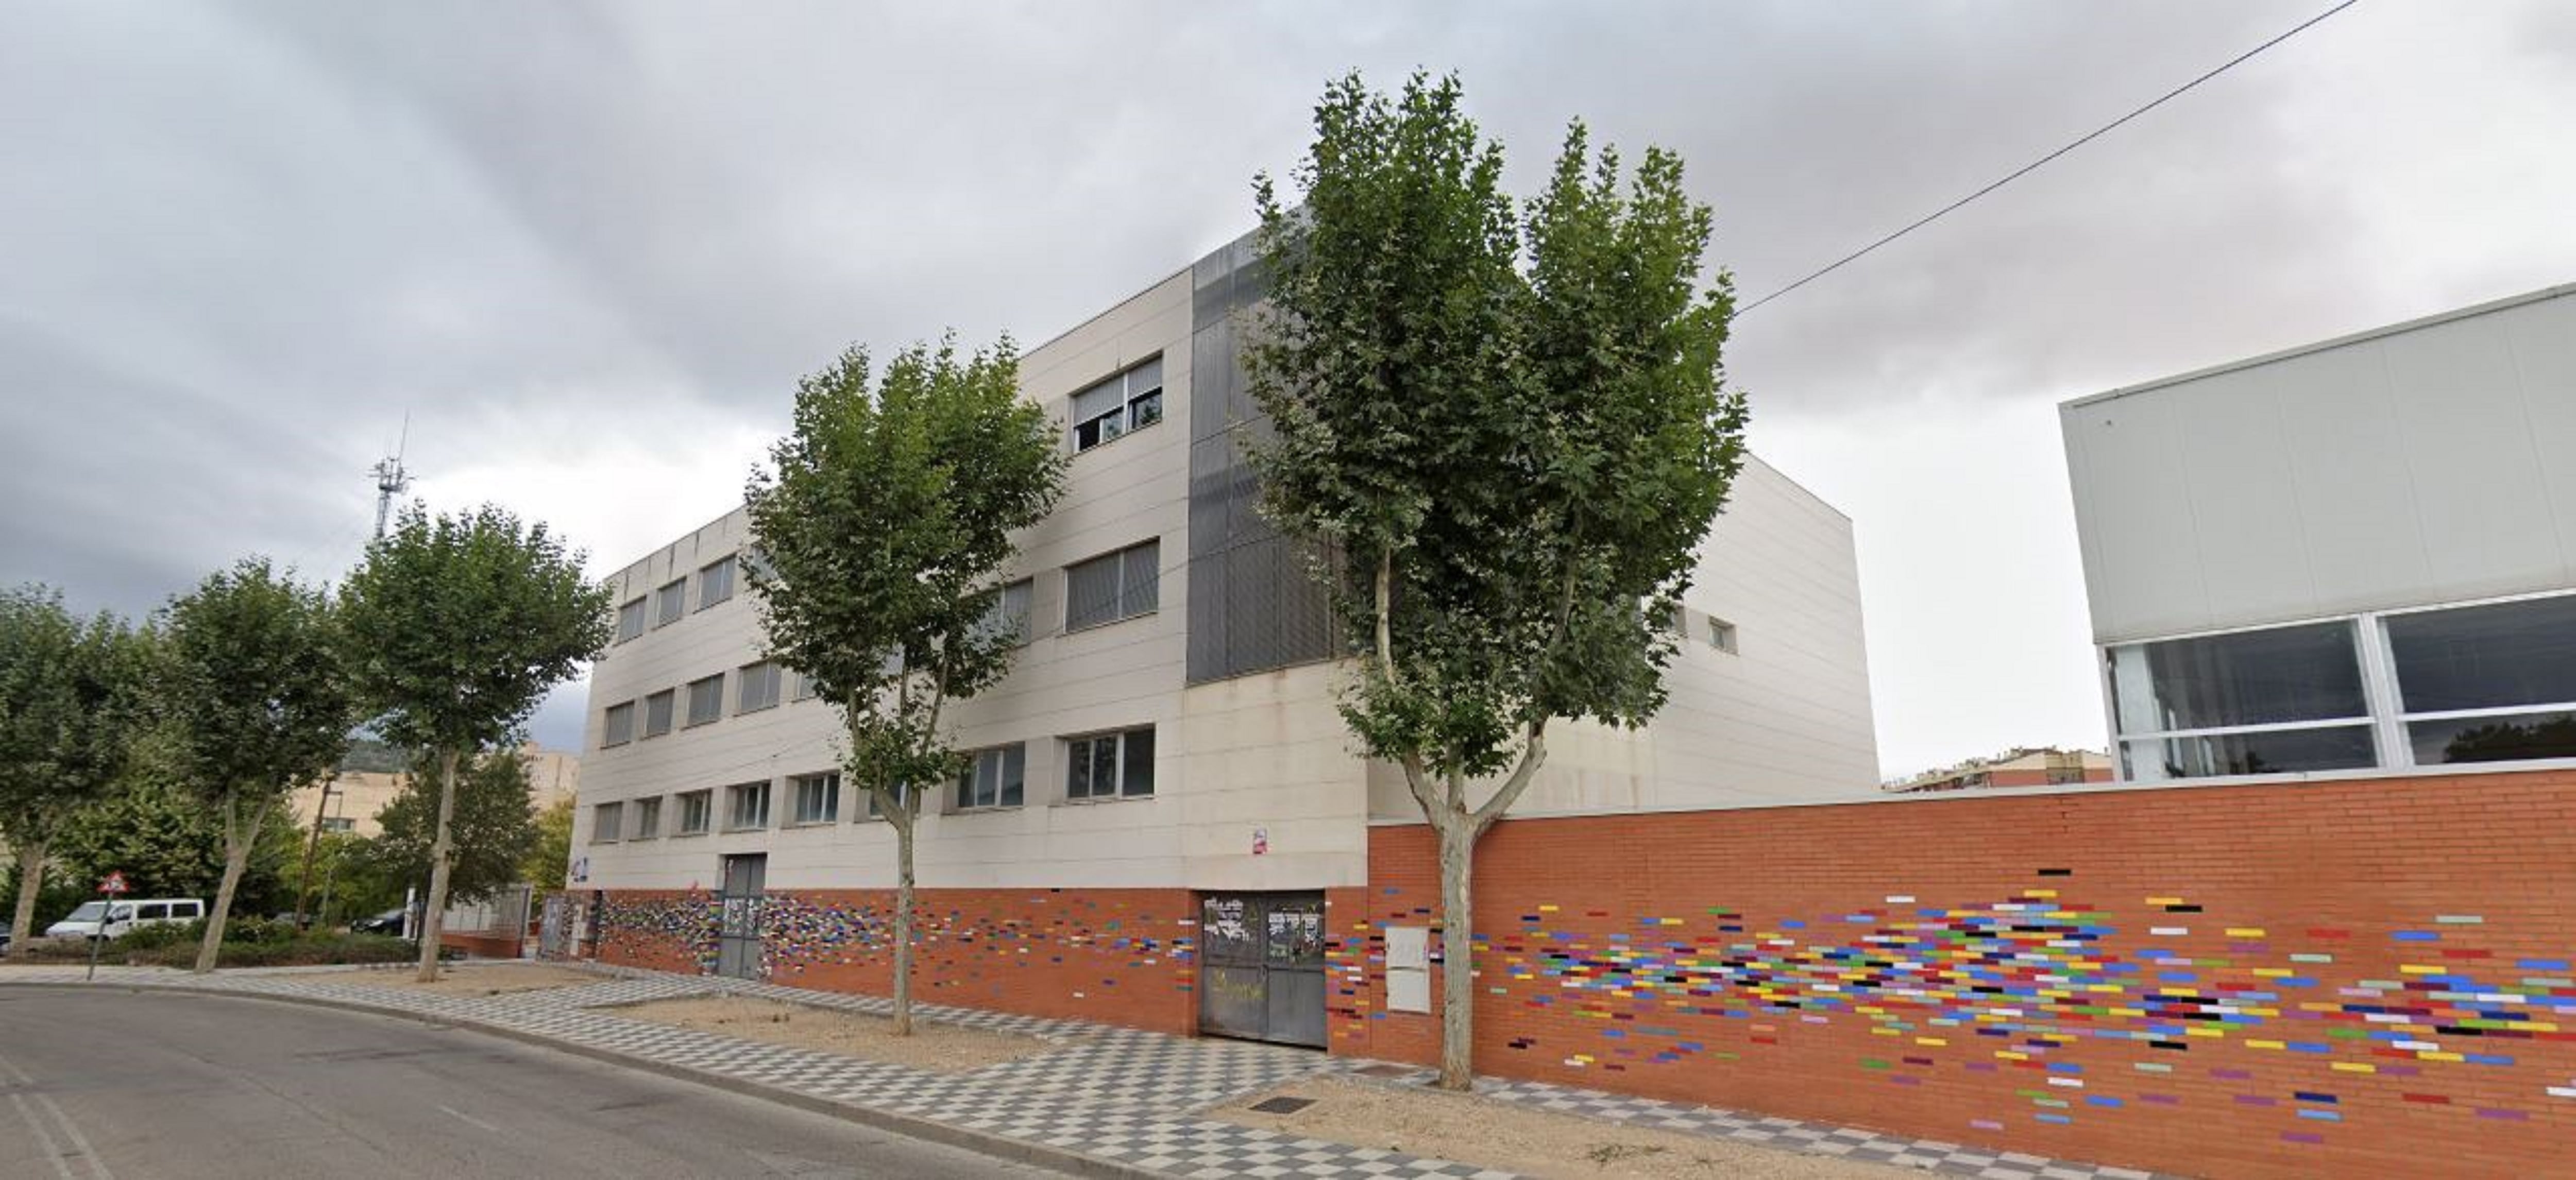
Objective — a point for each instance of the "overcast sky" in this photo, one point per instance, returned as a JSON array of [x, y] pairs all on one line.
[[587, 248]]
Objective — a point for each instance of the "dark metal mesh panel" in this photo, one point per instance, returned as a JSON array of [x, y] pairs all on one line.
[[1142, 589], [1091, 592], [1252, 604]]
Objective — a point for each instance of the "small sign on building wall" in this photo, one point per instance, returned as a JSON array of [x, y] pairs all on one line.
[[1260, 841], [1408, 969]]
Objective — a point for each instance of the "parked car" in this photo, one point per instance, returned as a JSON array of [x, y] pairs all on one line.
[[388, 922], [100, 919]]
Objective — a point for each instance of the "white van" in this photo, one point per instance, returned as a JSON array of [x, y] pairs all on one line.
[[99, 919]]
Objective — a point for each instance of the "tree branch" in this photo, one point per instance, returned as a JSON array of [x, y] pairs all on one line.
[[1533, 752]]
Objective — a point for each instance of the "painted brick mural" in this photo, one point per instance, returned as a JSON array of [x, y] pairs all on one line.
[[1121, 956], [2366, 978]]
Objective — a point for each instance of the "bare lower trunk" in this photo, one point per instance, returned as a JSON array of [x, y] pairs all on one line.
[[31, 881], [903, 826], [440, 850], [1457, 950], [240, 832]]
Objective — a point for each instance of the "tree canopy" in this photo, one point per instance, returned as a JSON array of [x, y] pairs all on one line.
[[495, 828], [69, 710]]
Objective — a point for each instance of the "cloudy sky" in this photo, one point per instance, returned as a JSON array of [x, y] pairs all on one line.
[[587, 248]]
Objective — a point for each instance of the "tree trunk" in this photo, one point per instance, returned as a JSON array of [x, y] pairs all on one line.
[[239, 836], [31, 881], [1457, 951], [902, 918], [440, 848]]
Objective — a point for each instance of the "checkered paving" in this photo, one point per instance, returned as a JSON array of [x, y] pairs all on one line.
[[1116, 1094]]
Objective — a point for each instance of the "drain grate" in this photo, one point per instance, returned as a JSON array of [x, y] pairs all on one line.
[[1282, 1105]]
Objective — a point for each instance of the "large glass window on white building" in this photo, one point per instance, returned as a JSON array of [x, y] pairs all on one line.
[[2428, 687]]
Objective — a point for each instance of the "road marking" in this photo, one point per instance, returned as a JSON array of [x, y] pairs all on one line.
[[44, 1138], [80, 1142], [471, 1119]]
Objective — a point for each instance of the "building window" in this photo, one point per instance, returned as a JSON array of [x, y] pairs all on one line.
[[1113, 586], [993, 778], [759, 687], [695, 811], [1128, 402], [747, 807], [1110, 765], [618, 727], [603, 822], [818, 797], [630, 620], [648, 819], [1009, 613], [706, 699], [804, 690], [1721, 635], [2489, 683], [902, 795], [657, 713], [2273, 701], [715, 582], [339, 823], [670, 602]]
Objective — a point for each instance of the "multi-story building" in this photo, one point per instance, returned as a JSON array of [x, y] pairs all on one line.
[[2021, 766], [1162, 793], [2355, 556], [356, 798]]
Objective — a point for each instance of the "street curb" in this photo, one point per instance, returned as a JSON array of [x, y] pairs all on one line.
[[980, 1142]]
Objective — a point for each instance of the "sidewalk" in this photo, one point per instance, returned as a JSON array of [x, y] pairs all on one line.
[[1106, 1100]]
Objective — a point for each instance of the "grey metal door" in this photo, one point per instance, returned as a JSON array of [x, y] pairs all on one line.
[[1261, 970], [738, 917]]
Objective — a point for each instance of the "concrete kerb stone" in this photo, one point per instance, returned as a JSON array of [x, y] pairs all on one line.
[[972, 1140]]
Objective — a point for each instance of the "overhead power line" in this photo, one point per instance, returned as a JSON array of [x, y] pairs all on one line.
[[2034, 165]]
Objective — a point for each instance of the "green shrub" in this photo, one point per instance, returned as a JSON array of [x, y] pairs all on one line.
[[313, 949], [146, 938]]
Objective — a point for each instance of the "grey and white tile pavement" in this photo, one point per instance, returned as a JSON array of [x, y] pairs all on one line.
[[1127, 1096]]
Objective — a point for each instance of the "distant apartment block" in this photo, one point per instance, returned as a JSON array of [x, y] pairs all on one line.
[[358, 797], [2358, 555], [1167, 742], [2027, 766]]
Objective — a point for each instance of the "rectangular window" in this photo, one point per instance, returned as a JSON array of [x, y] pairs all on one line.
[[1121, 405], [339, 823], [818, 797], [2497, 681], [706, 699], [657, 712], [603, 822], [747, 807], [1110, 765], [994, 778], [670, 602], [759, 687], [1721, 635], [804, 690], [715, 583], [1009, 614], [618, 728], [2270, 751], [648, 819], [630, 620], [1113, 586], [696, 808], [902, 794], [2283, 675]]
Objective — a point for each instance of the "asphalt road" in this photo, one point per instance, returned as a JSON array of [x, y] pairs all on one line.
[[114, 1085]]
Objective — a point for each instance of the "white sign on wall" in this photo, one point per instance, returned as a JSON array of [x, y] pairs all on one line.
[[1408, 969]]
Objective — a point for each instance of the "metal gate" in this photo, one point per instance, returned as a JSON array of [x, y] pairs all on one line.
[[555, 933], [738, 917], [1261, 967]]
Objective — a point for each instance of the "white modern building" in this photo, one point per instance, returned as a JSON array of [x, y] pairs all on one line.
[[1170, 723], [2358, 555]]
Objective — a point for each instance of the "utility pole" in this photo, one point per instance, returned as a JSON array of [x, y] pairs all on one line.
[[392, 479]]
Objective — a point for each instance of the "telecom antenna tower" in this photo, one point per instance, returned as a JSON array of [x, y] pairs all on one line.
[[391, 478]]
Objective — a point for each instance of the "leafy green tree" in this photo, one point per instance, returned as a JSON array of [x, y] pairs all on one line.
[[549, 861], [884, 531], [1508, 425], [457, 626], [66, 722], [494, 828], [253, 703], [169, 845]]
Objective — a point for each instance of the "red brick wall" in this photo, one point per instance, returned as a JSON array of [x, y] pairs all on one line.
[[487, 946], [1119, 956], [2365, 978]]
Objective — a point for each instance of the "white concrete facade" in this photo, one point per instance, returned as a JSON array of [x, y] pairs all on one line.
[[1258, 760], [2339, 557]]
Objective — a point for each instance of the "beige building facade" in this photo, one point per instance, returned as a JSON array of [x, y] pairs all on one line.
[[357, 797], [1170, 722]]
